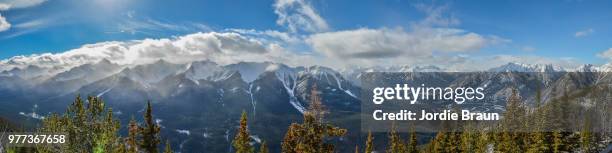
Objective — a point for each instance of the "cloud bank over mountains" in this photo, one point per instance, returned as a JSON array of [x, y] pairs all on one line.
[[223, 48], [309, 40]]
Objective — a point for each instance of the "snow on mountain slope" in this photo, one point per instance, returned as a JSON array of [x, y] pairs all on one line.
[[519, 67], [353, 75], [208, 71], [587, 68], [30, 72], [605, 68], [152, 73], [249, 70], [332, 77], [89, 72]]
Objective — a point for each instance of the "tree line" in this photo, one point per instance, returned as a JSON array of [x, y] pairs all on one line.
[[542, 129], [91, 127]]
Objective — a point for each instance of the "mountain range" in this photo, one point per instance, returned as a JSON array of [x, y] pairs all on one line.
[[199, 103]]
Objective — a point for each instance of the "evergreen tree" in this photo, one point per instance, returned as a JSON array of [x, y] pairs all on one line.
[[168, 148], [440, 143], [149, 133], [538, 141], [586, 137], [558, 142], [369, 143], [310, 136], [121, 148], [468, 139], [395, 142], [511, 139], [482, 144], [88, 122], [412, 145], [263, 148], [242, 142], [290, 140], [132, 141]]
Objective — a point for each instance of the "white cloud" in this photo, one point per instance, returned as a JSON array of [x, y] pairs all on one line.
[[223, 48], [15, 4], [584, 33], [299, 15], [134, 24], [393, 43], [436, 16], [272, 34], [4, 25], [4, 7], [606, 54]]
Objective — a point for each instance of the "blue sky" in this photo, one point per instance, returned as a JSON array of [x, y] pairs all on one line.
[[570, 29]]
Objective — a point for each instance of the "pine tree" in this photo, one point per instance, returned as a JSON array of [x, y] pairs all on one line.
[[586, 137], [538, 141], [412, 145], [440, 142], [310, 136], [395, 142], [168, 148], [558, 142], [468, 139], [454, 142], [511, 140], [263, 148], [290, 140], [369, 143], [93, 126], [88, 122], [132, 140], [121, 148], [482, 144], [242, 142], [149, 133]]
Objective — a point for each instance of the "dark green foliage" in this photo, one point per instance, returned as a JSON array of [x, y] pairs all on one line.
[[369, 143], [310, 136], [150, 133], [89, 123], [396, 145], [91, 127], [264, 148], [242, 141], [168, 148], [412, 145]]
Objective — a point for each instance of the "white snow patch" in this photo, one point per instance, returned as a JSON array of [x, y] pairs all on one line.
[[158, 122], [253, 102], [186, 132], [104, 92], [32, 115], [272, 68], [206, 135]]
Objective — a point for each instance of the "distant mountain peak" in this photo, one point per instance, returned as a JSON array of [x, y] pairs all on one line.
[[587, 68], [521, 67]]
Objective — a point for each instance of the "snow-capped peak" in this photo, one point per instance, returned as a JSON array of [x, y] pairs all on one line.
[[206, 70], [154, 72], [520, 67], [587, 68], [605, 68]]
